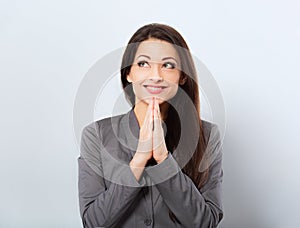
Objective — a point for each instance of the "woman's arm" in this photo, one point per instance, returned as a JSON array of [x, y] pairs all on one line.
[[99, 205], [193, 208]]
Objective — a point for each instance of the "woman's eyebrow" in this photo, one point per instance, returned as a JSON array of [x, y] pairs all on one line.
[[166, 58], [146, 56]]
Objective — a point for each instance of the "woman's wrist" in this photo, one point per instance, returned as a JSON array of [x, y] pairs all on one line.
[[138, 161], [162, 158], [137, 166]]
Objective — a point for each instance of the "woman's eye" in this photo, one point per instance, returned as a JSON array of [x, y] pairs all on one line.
[[169, 65], [142, 64]]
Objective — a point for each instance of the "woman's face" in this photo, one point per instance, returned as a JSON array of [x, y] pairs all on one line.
[[155, 71]]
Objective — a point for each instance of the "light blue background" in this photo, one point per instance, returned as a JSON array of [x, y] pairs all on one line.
[[252, 49]]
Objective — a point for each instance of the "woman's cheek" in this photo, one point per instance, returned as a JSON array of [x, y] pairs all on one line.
[[140, 92], [172, 92]]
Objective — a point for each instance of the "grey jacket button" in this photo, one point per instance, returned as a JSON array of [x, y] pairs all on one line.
[[148, 222]]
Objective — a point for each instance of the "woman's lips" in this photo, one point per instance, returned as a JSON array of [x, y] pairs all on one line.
[[154, 89]]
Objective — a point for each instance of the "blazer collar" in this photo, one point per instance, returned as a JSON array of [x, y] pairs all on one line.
[[130, 130]]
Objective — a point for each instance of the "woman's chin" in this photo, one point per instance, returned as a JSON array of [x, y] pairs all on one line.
[[159, 99]]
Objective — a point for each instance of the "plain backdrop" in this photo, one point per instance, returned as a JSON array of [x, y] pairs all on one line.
[[252, 49]]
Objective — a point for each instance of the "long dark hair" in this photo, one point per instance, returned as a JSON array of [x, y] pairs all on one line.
[[190, 87]]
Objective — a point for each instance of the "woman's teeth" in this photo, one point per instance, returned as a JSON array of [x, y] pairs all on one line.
[[155, 89]]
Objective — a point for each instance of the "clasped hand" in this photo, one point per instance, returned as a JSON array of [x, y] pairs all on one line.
[[151, 140]]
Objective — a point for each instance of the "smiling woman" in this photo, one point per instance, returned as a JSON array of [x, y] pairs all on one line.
[[152, 166]]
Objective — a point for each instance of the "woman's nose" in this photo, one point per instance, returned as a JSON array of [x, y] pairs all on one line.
[[155, 74]]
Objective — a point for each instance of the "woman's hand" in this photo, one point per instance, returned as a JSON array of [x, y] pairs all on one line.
[[151, 140], [144, 148], [160, 151]]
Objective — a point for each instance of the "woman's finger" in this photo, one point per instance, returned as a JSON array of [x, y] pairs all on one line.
[[160, 151], [157, 108], [145, 137], [157, 134], [148, 116]]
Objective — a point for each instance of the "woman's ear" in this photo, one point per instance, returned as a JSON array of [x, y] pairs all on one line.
[[182, 80], [128, 78]]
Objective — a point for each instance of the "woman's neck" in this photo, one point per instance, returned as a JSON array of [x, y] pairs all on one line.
[[140, 110]]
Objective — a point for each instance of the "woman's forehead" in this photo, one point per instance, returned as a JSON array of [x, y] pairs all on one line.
[[156, 49]]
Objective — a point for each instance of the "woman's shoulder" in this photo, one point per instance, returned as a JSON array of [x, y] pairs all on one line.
[[211, 130], [104, 124]]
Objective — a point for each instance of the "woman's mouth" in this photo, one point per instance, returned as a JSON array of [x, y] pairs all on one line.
[[154, 89]]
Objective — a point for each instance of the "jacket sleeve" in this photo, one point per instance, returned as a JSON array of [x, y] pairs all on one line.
[[192, 207], [101, 205]]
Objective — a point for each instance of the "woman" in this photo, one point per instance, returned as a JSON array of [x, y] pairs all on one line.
[[159, 165]]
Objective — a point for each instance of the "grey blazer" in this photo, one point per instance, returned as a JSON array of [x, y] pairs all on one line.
[[110, 196]]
